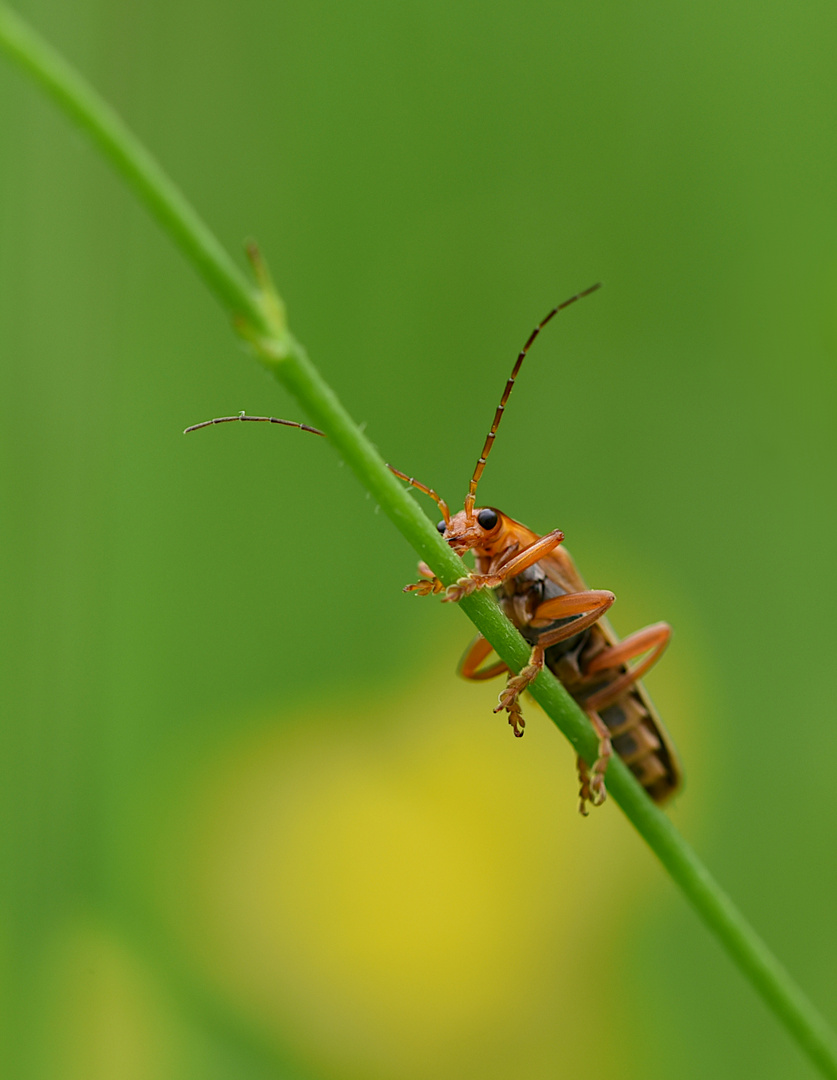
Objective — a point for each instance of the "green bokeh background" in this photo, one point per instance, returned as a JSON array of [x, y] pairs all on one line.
[[242, 790]]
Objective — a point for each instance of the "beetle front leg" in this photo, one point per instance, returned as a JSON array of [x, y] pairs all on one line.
[[429, 584], [522, 561]]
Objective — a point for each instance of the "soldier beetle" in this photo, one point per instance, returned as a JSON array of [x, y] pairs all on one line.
[[542, 593]]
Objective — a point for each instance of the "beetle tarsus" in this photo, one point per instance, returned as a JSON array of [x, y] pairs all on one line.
[[592, 780], [467, 585], [510, 697], [516, 721], [463, 587], [591, 787], [424, 587], [584, 795]]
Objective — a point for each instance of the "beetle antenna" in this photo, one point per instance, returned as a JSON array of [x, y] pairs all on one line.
[[470, 498], [262, 419], [440, 502]]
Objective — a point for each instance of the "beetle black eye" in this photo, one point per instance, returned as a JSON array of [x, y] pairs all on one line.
[[487, 518], [441, 526]]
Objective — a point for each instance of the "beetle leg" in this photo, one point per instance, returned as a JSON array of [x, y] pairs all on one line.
[[522, 561], [592, 786], [469, 665], [589, 606], [430, 584], [584, 794], [654, 637], [559, 607], [509, 699]]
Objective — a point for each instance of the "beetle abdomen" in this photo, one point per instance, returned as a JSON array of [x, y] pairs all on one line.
[[637, 740]]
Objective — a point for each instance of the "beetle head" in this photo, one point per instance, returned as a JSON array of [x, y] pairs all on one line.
[[480, 529]]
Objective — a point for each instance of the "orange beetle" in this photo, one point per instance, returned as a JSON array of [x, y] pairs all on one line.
[[538, 587]]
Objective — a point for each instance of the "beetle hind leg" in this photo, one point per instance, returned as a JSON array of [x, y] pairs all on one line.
[[591, 778], [585, 795]]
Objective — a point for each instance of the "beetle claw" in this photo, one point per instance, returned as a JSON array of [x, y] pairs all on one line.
[[517, 722]]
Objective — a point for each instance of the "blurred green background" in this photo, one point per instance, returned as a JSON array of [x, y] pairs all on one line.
[[253, 825]]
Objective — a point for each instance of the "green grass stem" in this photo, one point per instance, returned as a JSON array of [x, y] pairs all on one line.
[[259, 316]]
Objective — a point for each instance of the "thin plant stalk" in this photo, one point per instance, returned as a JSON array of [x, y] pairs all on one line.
[[258, 315]]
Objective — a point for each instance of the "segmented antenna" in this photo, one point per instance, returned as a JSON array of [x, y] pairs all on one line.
[[261, 419], [440, 502], [470, 498]]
